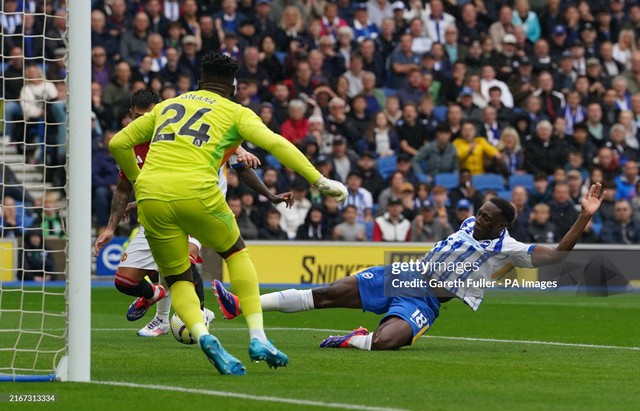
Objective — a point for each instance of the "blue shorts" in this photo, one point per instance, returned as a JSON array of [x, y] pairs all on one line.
[[419, 312]]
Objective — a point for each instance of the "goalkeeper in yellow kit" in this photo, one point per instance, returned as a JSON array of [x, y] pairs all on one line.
[[177, 193]]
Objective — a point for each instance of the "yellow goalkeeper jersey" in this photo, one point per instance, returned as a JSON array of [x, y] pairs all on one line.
[[190, 137]]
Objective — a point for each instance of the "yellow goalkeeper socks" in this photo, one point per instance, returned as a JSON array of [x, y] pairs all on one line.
[[186, 303], [244, 281]]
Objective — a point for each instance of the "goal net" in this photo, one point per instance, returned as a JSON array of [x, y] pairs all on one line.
[[34, 191]]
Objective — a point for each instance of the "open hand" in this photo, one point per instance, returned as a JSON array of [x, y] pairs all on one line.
[[593, 199]]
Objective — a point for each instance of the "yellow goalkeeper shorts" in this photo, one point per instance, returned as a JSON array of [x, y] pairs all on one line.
[[167, 223]]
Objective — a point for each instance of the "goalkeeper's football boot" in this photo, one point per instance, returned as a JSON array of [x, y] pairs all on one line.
[[342, 341], [261, 351], [224, 362], [141, 305], [229, 303], [155, 328]]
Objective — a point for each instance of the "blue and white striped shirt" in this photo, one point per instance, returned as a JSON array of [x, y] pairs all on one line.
[[460, 262]]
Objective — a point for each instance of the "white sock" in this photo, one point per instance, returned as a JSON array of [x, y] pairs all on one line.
[[362, 342], [288, 301], [259, 334], [163, 307]]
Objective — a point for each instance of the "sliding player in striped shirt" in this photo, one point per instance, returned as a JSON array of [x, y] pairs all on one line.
[[482, 245]]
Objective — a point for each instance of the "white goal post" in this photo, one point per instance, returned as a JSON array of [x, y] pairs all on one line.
[[45, 325], [79, 189]]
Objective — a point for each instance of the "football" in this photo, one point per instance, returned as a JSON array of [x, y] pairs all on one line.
[[179, 329]]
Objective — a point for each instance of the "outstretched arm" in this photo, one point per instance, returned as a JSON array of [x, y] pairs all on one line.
[[590, 204], [251, 128], [118, 208]]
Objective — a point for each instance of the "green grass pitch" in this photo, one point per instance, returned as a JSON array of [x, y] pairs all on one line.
[[487, 366]]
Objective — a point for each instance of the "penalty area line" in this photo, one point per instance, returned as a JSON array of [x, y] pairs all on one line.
[[250, 397]]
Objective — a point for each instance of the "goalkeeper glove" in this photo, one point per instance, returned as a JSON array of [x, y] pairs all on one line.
[[332, 188]]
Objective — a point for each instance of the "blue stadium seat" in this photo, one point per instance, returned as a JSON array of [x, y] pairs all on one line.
[[440, 113], [273, 162], [281, 56], [386, 166], [448, 180], [488, 181], [368, 226], [506, 194], [423, 178], [525, 180]]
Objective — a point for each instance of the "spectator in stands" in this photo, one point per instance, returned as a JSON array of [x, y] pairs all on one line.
[[359, 197], [436, 20], [489, 80], [157, 22], [116, 94], [392, 226], [332, 213], [371, 178], [9, 225], [265, 26], [543, 153], [133, 44], [438, 156], [371, 61], [380, 137], [190, 58], [563, 213], [520, 199], [403, 60], [314, 227], [252, 70], [580, 142], [502, 26], [427, 226], [295, 216], [622, 230], [350, 229], [247, 227], [55, 33], [575, 181], [37, 263], [343, 159], [466, 190], [101, 37], [49, 221], [411, 133], [627, 181], [473, 150], [412, 92], [38, 98], [392, 109], [462, 211], [12, 83], [172, 69], [541, 230], [296, 127], [511, 150], [607, 163], [470, 111]]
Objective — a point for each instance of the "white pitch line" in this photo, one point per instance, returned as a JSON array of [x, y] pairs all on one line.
[[562, 344], [241, 396], [442, 337]]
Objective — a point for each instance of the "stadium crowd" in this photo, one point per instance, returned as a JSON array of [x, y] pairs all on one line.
[[424, 109]]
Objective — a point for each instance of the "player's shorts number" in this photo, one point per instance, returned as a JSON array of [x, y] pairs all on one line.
[[200, 136], [419, 319]]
